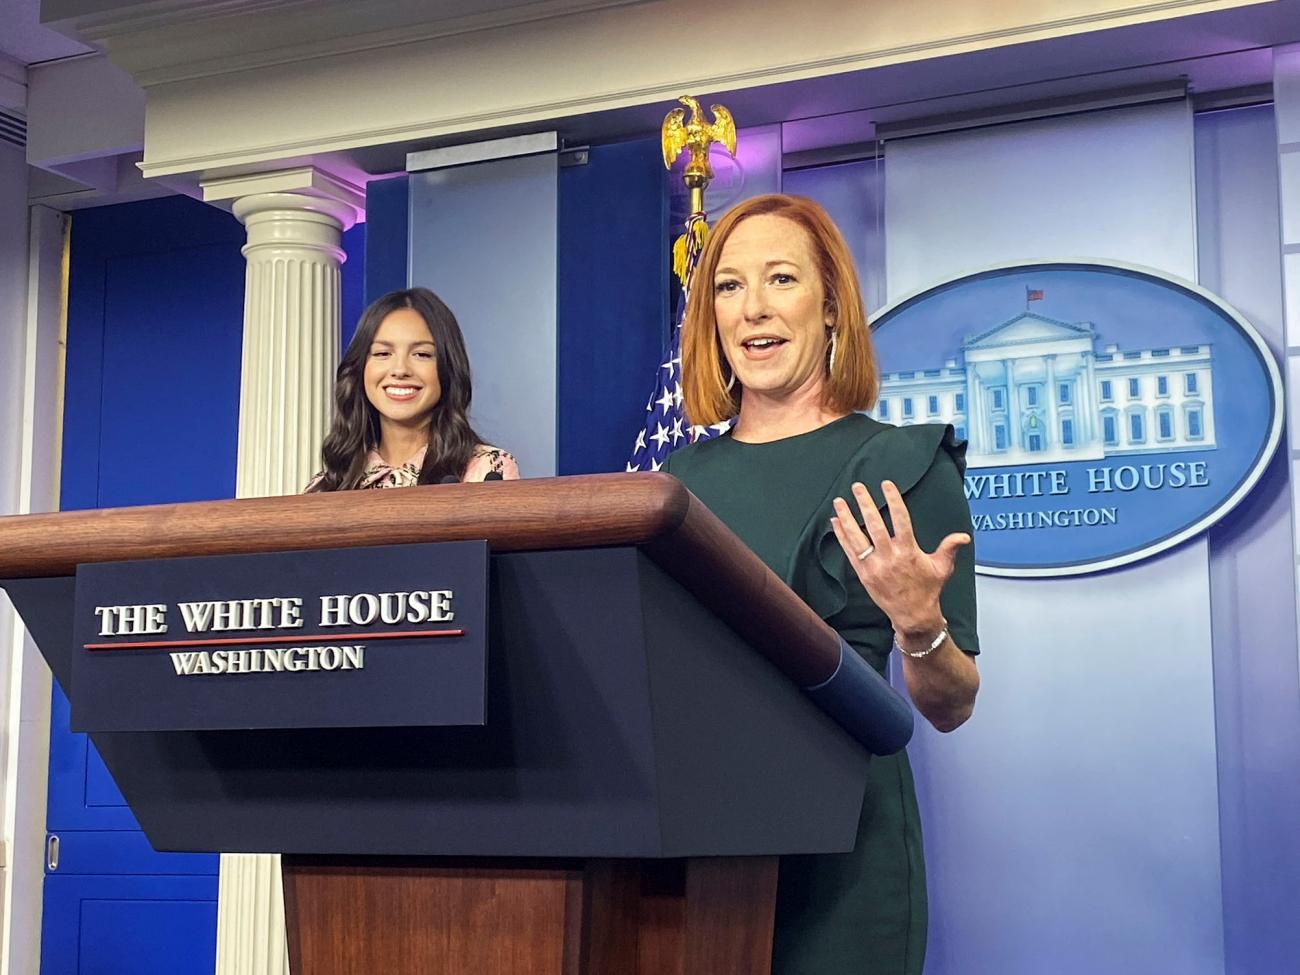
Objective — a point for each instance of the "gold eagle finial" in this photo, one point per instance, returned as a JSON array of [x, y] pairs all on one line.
[[696, 135]]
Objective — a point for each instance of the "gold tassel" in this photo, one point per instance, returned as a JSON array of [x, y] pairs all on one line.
[[700, 230], [679, 259]]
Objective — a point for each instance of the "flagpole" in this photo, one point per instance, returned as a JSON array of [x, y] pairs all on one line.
[[666, 426], [694, 135]]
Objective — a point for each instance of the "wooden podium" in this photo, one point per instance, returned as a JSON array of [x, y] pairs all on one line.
[[647, 756]]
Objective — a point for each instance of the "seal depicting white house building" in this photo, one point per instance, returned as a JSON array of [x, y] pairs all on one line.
[[1130, 412], [1034, 390]]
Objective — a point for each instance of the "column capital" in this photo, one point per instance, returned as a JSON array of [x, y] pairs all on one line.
[[306, 188]]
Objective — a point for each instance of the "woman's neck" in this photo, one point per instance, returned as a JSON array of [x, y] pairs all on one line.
[[399, 443], [764, 418]]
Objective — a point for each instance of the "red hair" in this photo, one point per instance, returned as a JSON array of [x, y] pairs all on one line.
[[854, 382]]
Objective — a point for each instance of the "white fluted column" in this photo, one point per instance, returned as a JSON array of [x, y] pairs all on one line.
[[295, 221], [291, 337]]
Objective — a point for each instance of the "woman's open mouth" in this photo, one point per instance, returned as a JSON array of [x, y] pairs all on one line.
[[762, 346]]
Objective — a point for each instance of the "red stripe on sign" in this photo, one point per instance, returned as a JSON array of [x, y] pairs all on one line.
[[296, 638]]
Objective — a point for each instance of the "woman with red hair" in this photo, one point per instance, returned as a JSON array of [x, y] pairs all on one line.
[[776, 337]]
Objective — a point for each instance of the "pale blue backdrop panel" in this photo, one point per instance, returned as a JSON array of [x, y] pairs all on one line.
[[1072, 826], [853, 193], [753, 171], [483, 237], [1252, 593]]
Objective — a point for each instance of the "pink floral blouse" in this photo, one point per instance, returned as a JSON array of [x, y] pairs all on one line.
[[486, 459]]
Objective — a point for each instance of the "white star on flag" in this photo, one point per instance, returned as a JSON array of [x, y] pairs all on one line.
[[668, 422]]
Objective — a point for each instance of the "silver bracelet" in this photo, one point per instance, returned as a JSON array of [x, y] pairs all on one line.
[[938, 642]]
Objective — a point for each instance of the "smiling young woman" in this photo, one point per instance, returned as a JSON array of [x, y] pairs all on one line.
[[402, 396], [775, 336]]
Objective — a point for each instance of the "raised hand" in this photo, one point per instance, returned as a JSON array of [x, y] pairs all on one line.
[[904, 581]]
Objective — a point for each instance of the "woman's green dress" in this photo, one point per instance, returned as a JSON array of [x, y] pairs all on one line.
[[863, 912]]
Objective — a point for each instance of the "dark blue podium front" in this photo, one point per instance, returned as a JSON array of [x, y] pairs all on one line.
[[624, 720]]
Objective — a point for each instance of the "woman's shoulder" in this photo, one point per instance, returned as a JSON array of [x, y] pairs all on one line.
[[489, 462], [904, 454], [697, 452]]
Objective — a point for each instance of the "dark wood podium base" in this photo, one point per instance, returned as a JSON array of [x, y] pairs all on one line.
[[707, 916]]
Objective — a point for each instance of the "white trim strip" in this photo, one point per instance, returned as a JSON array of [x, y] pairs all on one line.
[[476, 152]]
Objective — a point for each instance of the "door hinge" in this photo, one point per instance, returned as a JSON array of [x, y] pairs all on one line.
[[52, 852]]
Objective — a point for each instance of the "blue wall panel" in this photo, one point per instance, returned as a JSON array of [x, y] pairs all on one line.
[[129, 925], [612, 301], [169, 406], [353, 280], [155, 321], [81, 792], [388, 244]]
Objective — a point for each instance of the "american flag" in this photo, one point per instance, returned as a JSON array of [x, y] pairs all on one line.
[[1033, 294], [665, 426]]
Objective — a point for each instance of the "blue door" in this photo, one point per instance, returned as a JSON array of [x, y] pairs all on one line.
[[155, 309]]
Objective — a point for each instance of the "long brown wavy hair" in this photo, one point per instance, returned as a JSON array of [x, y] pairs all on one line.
[[355, 430], [854, 382]]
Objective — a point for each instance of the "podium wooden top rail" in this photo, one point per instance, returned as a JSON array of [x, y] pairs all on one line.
[[654, 512]]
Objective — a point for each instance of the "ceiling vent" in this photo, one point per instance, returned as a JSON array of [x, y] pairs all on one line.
[[13, 129]]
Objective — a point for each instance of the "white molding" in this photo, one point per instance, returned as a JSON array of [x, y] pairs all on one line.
[[177, 42], [305, 180], [165, 13], [750, 62], [27, 705], [13, 84], [136, 46], [13, 70], [1029, 111]]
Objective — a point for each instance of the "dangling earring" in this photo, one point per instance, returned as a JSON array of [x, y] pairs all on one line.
[[831, 365], [731, 382]]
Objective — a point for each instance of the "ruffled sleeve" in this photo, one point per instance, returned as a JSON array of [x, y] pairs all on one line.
[[927, 463]]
